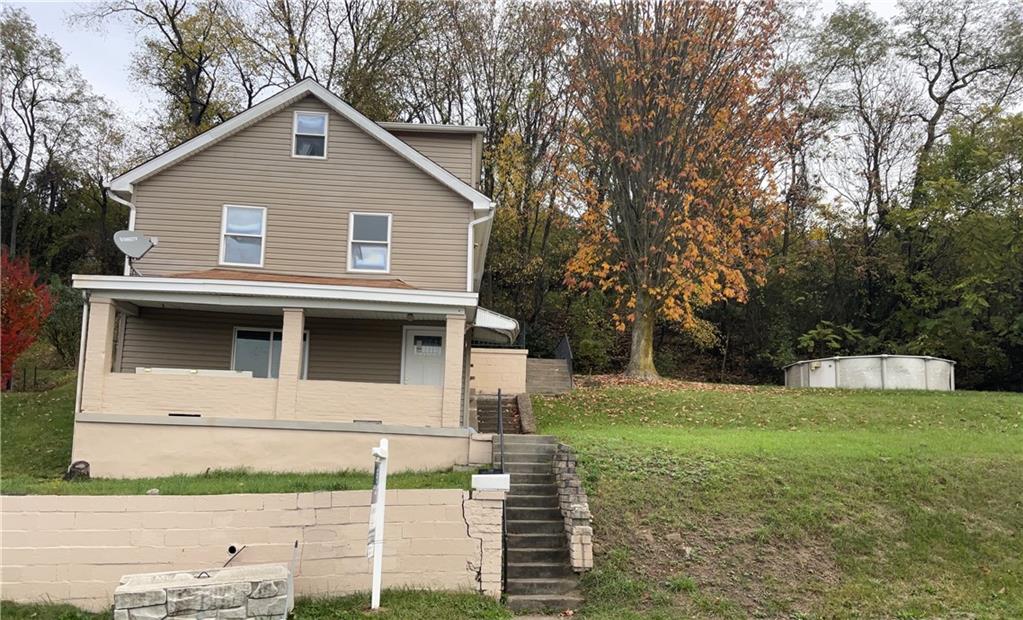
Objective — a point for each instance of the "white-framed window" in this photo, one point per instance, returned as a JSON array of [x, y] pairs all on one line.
[[258, 350], [242, 236], [309, 135], [369, 242]]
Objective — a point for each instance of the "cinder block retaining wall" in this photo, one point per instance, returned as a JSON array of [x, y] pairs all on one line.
[[503, 369], [76, 548]]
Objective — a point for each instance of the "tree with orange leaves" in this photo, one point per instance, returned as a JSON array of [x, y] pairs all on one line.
[[678, 133]]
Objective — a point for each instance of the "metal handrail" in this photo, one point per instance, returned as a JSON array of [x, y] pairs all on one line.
[[504, 504], [564, 351]]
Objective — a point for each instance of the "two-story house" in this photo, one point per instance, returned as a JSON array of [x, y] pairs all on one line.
[[313, 288]]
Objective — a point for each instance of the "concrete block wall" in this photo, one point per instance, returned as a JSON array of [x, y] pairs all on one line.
[[499, 368], [575, 508], [75, 549]]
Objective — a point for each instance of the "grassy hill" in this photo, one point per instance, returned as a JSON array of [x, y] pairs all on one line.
[[733, 501]]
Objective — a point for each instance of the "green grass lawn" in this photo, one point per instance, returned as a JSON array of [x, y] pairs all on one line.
[[732, 501], [394, 605], [35, 450]]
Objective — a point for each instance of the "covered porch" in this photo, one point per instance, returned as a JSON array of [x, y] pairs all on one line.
[[173, 348]]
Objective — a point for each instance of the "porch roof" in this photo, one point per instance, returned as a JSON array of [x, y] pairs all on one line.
[[259, 276], [258, 295], [494, 327]]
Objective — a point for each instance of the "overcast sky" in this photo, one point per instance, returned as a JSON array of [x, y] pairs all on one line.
[[103, 56]]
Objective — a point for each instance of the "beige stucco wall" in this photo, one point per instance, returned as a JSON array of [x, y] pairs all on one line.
[[141, 450], [307, 202], [74, 549], [503, 369]]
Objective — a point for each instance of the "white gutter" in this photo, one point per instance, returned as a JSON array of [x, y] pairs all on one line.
[[470, 246], [131, 220], [290, 290]]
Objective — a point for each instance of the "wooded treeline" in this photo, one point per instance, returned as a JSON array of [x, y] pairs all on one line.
[[755, 183]]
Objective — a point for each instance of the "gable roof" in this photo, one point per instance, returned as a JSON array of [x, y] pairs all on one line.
[[308, 86]]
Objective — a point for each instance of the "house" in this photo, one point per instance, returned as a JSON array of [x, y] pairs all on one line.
[[313, 288]]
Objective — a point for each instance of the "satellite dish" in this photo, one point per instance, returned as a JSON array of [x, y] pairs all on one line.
[[134, 244]]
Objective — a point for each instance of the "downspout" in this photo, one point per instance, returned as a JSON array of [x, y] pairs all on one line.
[[131, 221], [470, 271], [81, 354]]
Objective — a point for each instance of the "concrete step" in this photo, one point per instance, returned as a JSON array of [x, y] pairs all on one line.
[[531, 555], [535, 541], [532, 501], [541, 585], [544, 602], [531, 439], [549, 526], [511, 447], [534, 513], [532, 570], [515, 462], [532, 477], [533, 489], [527, 467]]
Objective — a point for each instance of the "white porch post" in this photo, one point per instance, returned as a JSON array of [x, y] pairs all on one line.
[[454, 340], [99, 351], [291, 363]]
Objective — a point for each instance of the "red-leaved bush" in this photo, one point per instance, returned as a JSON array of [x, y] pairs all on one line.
[[24, 306]]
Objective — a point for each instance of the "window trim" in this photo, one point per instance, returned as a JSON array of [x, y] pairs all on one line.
[[352, 240], [295, 133], [223, 236], [305, 348]]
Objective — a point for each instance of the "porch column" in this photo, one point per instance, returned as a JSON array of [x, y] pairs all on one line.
[[99, 351], [454, 340], [291, 363]]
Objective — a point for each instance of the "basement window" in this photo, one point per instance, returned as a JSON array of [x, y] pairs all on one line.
[[258, 350], [309, 137], [369, 242]]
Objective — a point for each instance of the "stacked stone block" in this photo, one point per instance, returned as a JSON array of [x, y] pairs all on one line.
[[258, 591], [484, 514], [575, 508]]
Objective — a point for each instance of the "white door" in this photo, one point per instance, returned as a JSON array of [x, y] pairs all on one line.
[[423, 357]]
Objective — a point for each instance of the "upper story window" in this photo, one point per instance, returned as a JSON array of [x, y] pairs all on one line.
[[242, 236], [369, 242], [310, 135]]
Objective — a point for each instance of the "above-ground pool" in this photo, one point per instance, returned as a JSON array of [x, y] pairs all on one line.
[[876, 372]]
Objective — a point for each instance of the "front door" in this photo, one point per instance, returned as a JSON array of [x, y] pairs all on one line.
[[423, 357]]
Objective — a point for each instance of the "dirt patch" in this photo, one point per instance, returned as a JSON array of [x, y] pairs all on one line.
[[726, 559], [670, 384]]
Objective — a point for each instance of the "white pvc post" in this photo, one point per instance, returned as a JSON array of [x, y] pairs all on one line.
[[376, 525]]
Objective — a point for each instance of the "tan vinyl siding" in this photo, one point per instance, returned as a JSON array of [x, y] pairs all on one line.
[[349, 350], [452, 151], [307, 201], [339, 349]]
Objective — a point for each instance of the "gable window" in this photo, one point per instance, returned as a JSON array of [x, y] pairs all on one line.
[[242, 236], [258, 350], [369, 242], [310, 135]]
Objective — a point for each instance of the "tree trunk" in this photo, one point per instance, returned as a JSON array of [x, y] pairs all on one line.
[[641, 355]]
